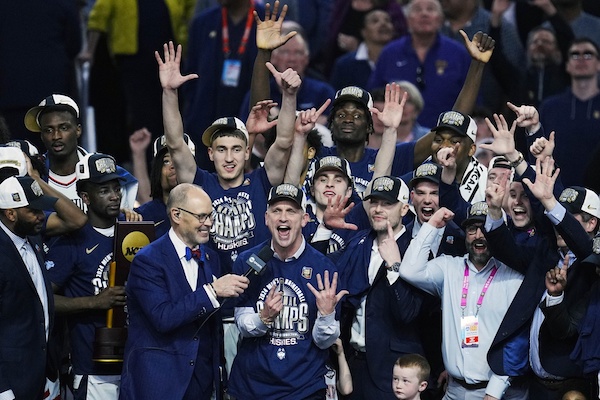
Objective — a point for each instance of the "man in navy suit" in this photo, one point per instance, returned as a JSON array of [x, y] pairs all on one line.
[[172, 350], [379, 316], [26, 305]]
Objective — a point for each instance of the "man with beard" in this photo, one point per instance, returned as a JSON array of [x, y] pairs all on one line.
[[78, 266], [378, 319], [26, 309], [476, 290]]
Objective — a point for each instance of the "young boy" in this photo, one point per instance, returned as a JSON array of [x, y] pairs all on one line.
[[411, 373]]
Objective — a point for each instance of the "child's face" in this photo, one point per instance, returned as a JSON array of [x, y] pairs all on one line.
[[406, 384]]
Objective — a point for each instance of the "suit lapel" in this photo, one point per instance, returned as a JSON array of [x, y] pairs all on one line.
[[173, 264]]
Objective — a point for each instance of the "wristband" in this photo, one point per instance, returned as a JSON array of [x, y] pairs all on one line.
[[514, 164], [265, 321]]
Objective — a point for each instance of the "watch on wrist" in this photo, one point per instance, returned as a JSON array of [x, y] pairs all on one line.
[[394, 267], [514, 164]]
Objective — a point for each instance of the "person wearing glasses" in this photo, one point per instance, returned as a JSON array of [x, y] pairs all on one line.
[[173, 301], [78, 267], [575, 114], [476, 291]]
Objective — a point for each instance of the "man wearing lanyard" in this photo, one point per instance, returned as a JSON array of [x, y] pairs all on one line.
[[221, 50], [475, 290]]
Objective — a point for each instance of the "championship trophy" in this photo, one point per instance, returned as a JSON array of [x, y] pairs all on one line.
[[130, 237]]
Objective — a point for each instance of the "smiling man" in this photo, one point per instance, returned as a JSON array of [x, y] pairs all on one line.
[[487, 288], [286, 323]]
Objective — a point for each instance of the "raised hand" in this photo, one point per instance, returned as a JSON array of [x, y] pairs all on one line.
[[169, 70], [288, 81], [393, 106], [504, 137], [307, 119], [542, 147], [388, 248], [481, 47], [527, 117], [258, 119], [140, 140], [335, 213], [446, 157], [268, 32], [440, 218], [327, 297], [545, 178], [556, 278]]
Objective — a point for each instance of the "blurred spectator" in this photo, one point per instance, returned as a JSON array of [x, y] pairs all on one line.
[[134, 34], [38, 41], [355, 67], [436, 64], [222, 49], [346, 23], [583, 24]]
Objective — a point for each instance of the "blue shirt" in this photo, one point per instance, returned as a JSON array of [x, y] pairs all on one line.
[[443, 73], [79, 264], [156, 210]]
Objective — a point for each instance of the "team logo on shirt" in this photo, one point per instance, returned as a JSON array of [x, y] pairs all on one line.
[[292, 324], [306, 272], [234, 222], [100, 280]]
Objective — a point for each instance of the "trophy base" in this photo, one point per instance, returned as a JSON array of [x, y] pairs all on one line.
[[109, 345]]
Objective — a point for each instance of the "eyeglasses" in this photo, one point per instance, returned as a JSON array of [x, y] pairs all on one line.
[[586, 55], [472, 229], [420, 79], [200, 217]]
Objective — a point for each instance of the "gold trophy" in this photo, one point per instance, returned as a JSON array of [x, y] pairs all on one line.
[[130, 237]]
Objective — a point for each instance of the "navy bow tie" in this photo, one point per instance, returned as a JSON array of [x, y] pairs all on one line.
[[195, 254]]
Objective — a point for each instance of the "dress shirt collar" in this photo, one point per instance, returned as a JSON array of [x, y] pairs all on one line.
[[294, 256]]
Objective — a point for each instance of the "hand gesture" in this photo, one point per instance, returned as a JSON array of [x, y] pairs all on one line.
[[110, 297], [288, 81], [169, 71], [393, 106], [326, 296], [504, 137], [527, 117], [542, 147], [545, 177], [481, 47], [258, 119], [230, 285], [388, 248], [268, 32], [446, 157], [335, 213], [440, 218], [140, 140], [272, 306], [307, 119], [494, 196], [32, 172], [338, 347], [556, 278]]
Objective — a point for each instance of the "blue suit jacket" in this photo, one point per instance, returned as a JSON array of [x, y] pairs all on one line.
[[167, 343], [23, 347], [391, 329]]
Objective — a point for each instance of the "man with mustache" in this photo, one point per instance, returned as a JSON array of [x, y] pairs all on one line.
[[476, 290]]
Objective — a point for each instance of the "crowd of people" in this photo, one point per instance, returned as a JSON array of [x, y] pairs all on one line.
[[351, 199]]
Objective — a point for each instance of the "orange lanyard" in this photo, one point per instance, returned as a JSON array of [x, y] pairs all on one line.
[[225, 31]]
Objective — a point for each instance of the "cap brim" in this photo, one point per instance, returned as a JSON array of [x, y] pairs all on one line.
[[451, 128], [389, 198], [31, 122], [470, 220], [414, 181], [107, 178], [275, 199], [209, 132], [43, 203]]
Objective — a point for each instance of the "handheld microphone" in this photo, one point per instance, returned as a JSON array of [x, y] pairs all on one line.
[[257, 262]]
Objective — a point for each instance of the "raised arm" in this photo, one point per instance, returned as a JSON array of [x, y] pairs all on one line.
[[278, 154], [169, 72], [268, 38], [480, 49], [305, 122], [138, 143], [390, 117]]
